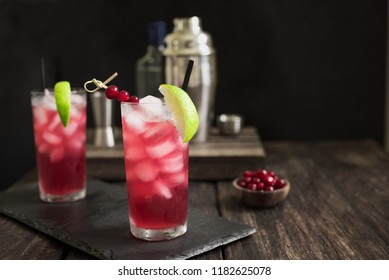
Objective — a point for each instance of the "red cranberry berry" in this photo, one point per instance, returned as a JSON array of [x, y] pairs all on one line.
[[133, 99], [252, 186], [261, 180], [112, 92], [247, 179], [249, 173], [279, 184], [123, 96], [242, 183], [261, 172], [269, 181], [265, 177], [256, 180], [271, 173]]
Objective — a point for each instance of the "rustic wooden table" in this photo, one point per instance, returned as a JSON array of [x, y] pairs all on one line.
[[338, 208]]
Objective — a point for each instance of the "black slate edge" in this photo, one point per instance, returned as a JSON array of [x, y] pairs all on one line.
[[210, 246], [239, 231], [55, 233]]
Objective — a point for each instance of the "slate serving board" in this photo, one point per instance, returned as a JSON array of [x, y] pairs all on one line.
[[98, 225]]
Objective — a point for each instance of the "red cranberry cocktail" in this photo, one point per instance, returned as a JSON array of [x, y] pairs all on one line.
[[60, 151], [156, 161], [155, 137]]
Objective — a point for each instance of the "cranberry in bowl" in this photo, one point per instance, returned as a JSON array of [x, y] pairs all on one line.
[[261, 188]]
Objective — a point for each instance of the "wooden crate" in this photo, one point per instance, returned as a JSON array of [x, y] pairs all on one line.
[[220, 158]]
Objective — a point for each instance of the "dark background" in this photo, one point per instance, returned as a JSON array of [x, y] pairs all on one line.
[[297, 70]]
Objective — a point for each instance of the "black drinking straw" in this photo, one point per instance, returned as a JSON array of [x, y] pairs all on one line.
[[187, 75], [43, 76]]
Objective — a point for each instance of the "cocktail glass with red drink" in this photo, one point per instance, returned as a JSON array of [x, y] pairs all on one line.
[[156, 161], [156, 133], [60, 151]]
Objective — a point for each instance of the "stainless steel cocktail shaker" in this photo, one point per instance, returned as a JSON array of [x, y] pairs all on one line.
[[188, 41]]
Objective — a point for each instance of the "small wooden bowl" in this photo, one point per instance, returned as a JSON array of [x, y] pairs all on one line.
[[261, 199]]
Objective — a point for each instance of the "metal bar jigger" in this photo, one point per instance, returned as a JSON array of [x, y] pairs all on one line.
[[102, 113]]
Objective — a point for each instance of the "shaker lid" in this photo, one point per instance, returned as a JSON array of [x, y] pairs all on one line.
[[191, 24], [188, 38]]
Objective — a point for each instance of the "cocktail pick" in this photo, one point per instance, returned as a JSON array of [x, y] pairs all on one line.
[[99, 84]]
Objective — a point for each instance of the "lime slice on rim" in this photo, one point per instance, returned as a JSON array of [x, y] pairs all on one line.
[[62, 99], [183, 110]]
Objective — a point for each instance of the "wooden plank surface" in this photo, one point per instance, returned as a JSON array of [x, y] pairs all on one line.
[[207, 161], [338, 208], [18, 241]]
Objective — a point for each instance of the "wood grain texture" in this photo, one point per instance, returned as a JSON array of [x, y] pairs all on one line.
[[337, 208], [19, 242]]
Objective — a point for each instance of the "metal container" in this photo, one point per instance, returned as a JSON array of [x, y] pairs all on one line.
[[230, 124], [189, 42], [102, 109]]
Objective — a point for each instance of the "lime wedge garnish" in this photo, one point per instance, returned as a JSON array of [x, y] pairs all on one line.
[[62, 99], [183, 110]]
